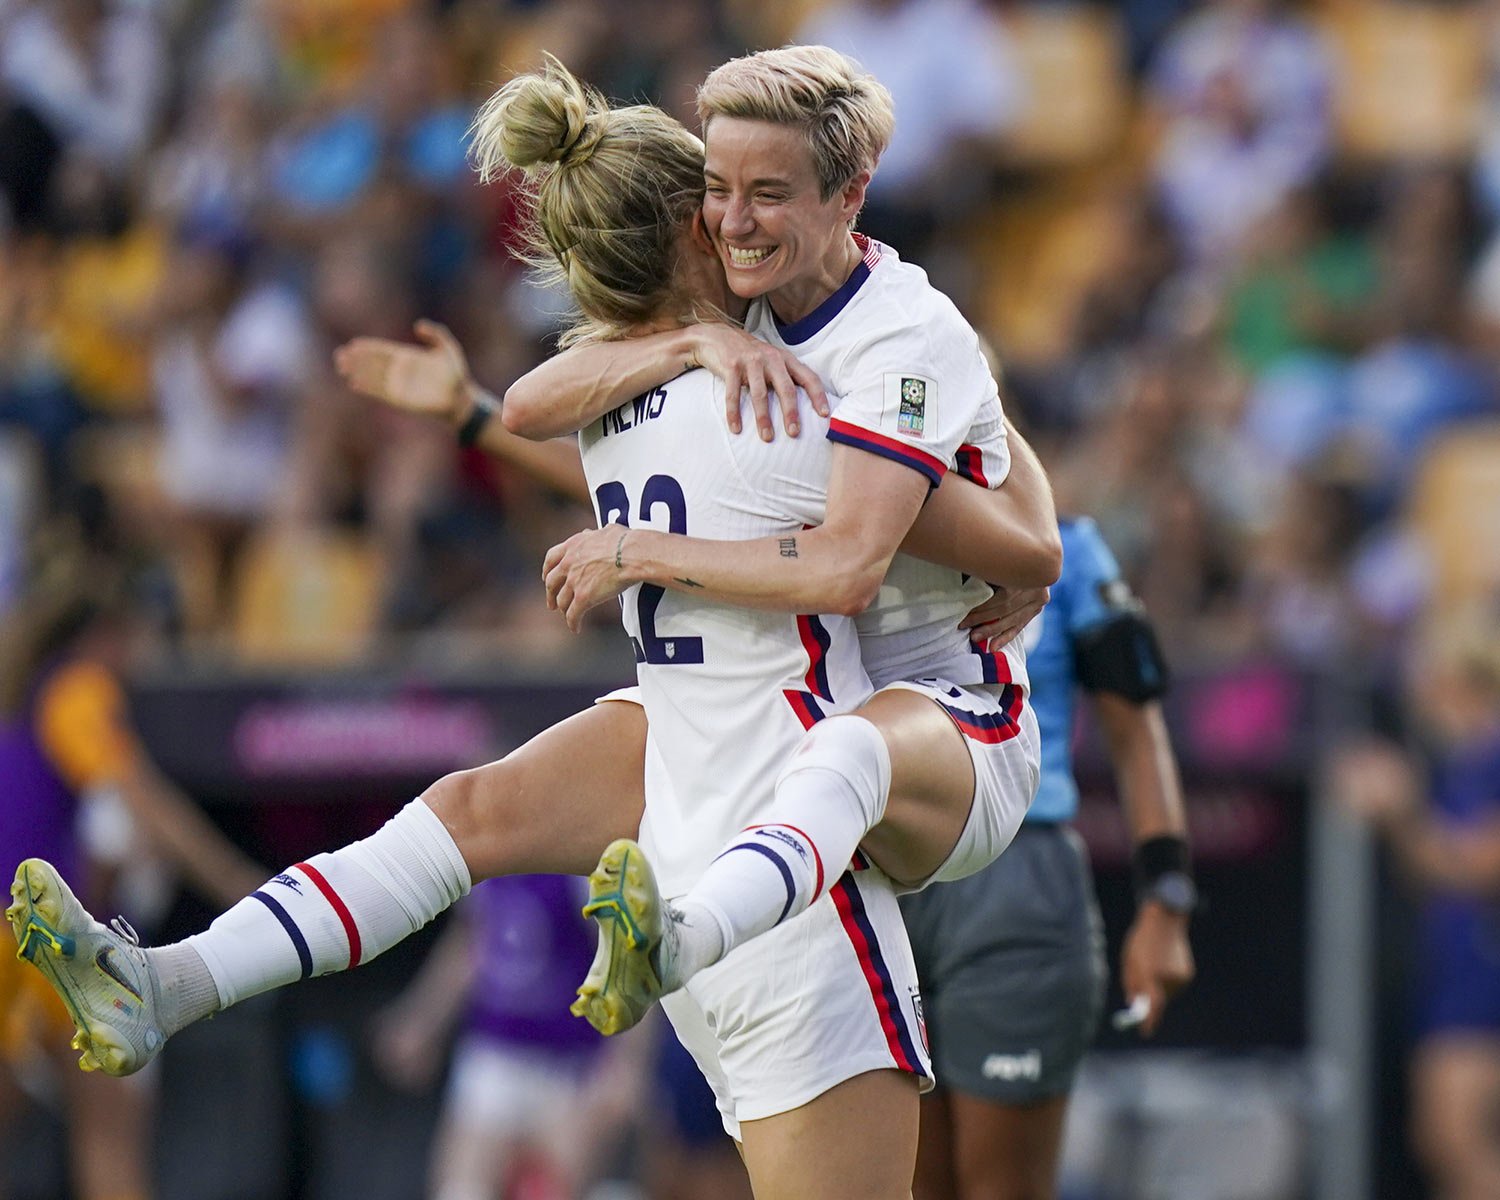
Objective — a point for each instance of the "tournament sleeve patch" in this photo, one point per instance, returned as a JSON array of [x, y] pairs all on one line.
[[912, 400]]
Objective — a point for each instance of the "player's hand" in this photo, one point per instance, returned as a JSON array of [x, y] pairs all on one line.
[[431, 379], [1004, 614], [744, 363], [1375, 782], [584, 571], [1156, 961], [406, 1050]]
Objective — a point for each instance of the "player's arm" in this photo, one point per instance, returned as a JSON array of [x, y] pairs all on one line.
[[83, 728], [181, 833], [1380, 783], [1458, 860], [1120, 665], [432, 379], [836, 567], [581, 384], [408, 1035], [1006, 535]]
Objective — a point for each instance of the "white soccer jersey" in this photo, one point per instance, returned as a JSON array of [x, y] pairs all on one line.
[[728, 691], [909, 382]]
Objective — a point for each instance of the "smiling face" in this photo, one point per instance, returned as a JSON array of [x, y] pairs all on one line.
[[763, 208]]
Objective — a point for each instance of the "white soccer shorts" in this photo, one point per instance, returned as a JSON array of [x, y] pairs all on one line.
[[827, 996], [1004, 744]]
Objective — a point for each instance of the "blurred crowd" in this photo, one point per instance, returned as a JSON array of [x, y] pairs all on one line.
[[1238, 258]]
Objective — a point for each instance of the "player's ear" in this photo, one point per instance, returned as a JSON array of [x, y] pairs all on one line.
[[698, 232], [852, 198]]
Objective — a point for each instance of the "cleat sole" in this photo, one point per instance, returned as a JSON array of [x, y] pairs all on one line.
[[621, 982]]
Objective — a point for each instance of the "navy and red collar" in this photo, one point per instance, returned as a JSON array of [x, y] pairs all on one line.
[[800, 330]]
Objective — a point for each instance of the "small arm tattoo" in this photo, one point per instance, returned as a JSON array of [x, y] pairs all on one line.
[[692, 583], [788, 547]]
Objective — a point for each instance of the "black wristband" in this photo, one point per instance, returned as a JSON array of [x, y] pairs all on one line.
[[1158, 856], [485, 407]]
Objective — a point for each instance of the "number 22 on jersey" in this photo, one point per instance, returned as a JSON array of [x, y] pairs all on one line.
[[614, 508]]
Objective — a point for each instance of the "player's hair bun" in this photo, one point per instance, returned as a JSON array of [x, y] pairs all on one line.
[[539, 119]]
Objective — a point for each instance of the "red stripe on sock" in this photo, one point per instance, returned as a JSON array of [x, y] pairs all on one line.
[[817, 858], [345, 917]]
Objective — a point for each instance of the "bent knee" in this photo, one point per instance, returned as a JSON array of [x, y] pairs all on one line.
[[469, 804]]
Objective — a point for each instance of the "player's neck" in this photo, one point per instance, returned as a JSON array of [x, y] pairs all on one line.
[[801, 296]]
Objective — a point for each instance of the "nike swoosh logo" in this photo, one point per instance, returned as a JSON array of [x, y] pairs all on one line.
[[105, 963]]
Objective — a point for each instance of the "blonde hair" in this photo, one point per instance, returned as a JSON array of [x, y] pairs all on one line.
[[845, 113], [610, 191]]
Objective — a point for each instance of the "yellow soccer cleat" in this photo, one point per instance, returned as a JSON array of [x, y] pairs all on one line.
[[101, 974], [624, 980]]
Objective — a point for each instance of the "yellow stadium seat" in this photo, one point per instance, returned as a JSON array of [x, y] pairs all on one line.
[[1041, 253], [1079, 90], [1409, 78], [306, 597]]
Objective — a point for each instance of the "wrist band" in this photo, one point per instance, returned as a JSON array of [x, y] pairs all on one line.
[[1158, 856], [485, 407]]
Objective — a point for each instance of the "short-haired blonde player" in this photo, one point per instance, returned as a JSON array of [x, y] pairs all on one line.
[[549, 806]]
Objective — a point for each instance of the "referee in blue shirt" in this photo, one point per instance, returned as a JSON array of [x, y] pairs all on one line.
[[1012, 959]]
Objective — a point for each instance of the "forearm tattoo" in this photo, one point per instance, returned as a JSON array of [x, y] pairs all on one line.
[[788, 547]]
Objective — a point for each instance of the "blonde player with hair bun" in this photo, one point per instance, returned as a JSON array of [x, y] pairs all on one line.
[[818, 1039]]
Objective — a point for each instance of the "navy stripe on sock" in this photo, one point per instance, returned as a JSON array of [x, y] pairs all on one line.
[[304, 955], [786, 874]]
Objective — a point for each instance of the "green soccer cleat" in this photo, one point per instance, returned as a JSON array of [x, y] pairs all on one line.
[[624, 980], [101, 974]]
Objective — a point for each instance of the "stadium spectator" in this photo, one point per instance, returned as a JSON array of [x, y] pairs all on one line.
[[95, 72], [530, 1089], [1442, 828], [1243, 88], [957, 85], [79, 783], [232, 355]]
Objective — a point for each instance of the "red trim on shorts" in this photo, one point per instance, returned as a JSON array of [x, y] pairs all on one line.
[[969, 462], [861, 936], [805, 707]]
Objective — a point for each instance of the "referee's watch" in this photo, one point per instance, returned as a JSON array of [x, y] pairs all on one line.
[[1175, 891]]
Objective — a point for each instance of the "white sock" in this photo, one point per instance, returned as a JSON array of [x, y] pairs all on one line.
[[828, 797], [187, 990], [336, 910]]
